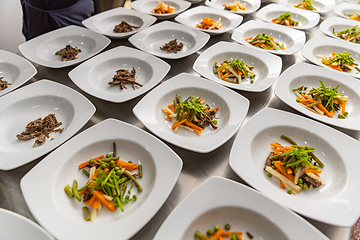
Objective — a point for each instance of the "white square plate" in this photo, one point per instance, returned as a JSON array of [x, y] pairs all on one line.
[[306, 19], [42, 49], [31, 102], [303, 74], [195, 16], [146, 6], [243, 208], [105, 22], [321, 6], [161, 168], [151, 39], [251, 5], [325, 46], [347, 8], [232, 111], [292, 39], [336, 202], [336, 24], [267, 66], [15, 70], [93, 75]]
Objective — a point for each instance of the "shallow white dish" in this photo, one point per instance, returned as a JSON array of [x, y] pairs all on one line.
[[336, 24], [14, 227], [303, 74], [42, 49], [321, 6], [195, 16], [161, 168], [243, 208], [194, 1], [232, 111], [151, 39], [292, 39], [15, 70], [334, 203], [324, 46], [251, 5], [347, 8], [267, 66], [146, 6], [105, 22], [31, 102], [271, 11], [93, 75], [352, 1]]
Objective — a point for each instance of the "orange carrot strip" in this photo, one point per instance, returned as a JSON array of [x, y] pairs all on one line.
[[227, 234], [109, 206], [197, 131], [217, 234], [214, 109], [282, 171], [282, 185], [176, 124], [126, 165], [90, 202], [322, 108], [342, 108], [193, 126], [84, 164], [249, 38], [289, 171], [309, 170], [168, 117]]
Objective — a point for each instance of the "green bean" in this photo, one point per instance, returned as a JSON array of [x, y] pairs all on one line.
[[119, 204], [200, 236], [130, 188], [140, 170], [298, 89], [113, 187], [275, 157], [316, 159], [215, 68], [68, 190], [86, 185], [86, 173], [109, 159], [114, 149], [313, 104], [107, 177], [288, 139], [292, 160], [75, 191], [86, 213], [128, 174], [303, 147]]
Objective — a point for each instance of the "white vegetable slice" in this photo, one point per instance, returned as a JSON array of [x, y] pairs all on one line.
[[313, 176], [285, 180]]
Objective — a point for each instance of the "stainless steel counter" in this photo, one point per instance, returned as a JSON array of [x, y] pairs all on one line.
[[197, 167]]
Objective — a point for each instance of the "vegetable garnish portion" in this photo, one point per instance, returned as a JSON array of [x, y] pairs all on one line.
[[342, 62], [233, 71], [162, 8], [221, 233], [351, 34], [210, 24], [236, 6], [322, 100], [192, 114], [109, 184], [306, 4], [355, 16], [297, 167], [265, 42], [285, 19]]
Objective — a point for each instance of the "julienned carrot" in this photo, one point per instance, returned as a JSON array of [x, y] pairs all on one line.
[[193, 126], [109, 206], [168, 117], [214, 109], [249, 38], [312, 171], [177, 123], [84, 164], [282, 185], [128, 166], [217, 234], [282, 171], [322, 108], [93, 202], [227, 234]]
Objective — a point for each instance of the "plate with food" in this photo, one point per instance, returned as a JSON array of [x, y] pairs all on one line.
[[11, 223], [340, 56], [235, 6], [239, 67], [288, 16], [201, 216], [269, 37], [341, 28], [119, 22], [324, 95], [127, 175], [194, 1], [209, 20], [353, 1], [321, 7], [14, 71], [64, 47], [161, 9], [348, 10], [305, 150], [119, 78], [169, 40], [205, 116], [37, 118]]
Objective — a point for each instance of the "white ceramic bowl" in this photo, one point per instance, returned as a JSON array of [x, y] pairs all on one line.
[[323, 6], [267, 66], [161, 168], [251, 5], [306, 19], [351, 1], [336, 202], [15, 70], [150, 40], [292, 39], [105, 22], [324, 46], [42, 49], [146, 6], [347, 8], [93, 75], [243, 208], [336, 24], [195, 16], [232, 111], [31, 102]]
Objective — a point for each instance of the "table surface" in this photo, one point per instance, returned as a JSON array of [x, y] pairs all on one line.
[[197, 167]]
